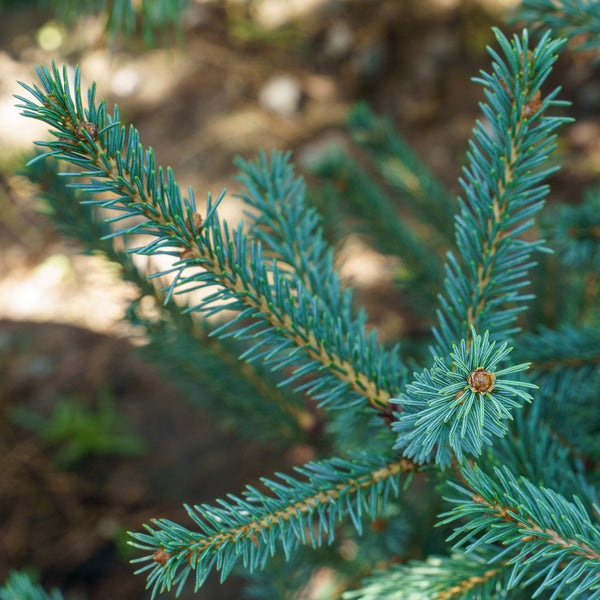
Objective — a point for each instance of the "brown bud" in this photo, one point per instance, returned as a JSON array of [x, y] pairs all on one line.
[[389, 413], [196, 223], [379, 525], [340, 185], [197, 220], [86, 126], [68, 145], [161, 556], [50, 101], [481, 381], [187, 253], [533, 105], [459, 394]]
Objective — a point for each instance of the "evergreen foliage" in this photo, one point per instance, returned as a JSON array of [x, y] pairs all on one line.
[[128, 17], [19, 586], [353, 191], [522, 511], [575, 231], [546, 538], [254, 526], [503, 191], [471, 577], [181, 348], [459, 409], [579, 19], [402, 169]]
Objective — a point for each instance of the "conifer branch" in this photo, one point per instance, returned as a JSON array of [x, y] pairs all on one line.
[[503, 191], [291, 234], [578, 19], [19, 586], [398, 164], [567, 372], [178, 344], [534, 450], [567, 348], [458, 409], [293, 315], [288, 228], [574, 232], [124, 18], [548, 540], [461, 576], [284, 316], [361, 197], [252, 527]]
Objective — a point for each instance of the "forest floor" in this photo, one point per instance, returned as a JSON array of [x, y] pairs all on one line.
[[198, 106]]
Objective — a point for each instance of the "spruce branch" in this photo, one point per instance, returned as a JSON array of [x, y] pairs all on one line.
[[567, 371], [574, 232], [548, 541], [534, 450], [124, 18], [361, 197], [578, 19], [564, 359], [503, 190], [281, 579], [291, 231], [400, 166], [254, 526], [458, 409], [567, 348], [460, 576], [19, 586], [179, 345], [288, 323]]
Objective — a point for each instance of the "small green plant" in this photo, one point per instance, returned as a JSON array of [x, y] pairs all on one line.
[[80, 431], [490, 424]]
